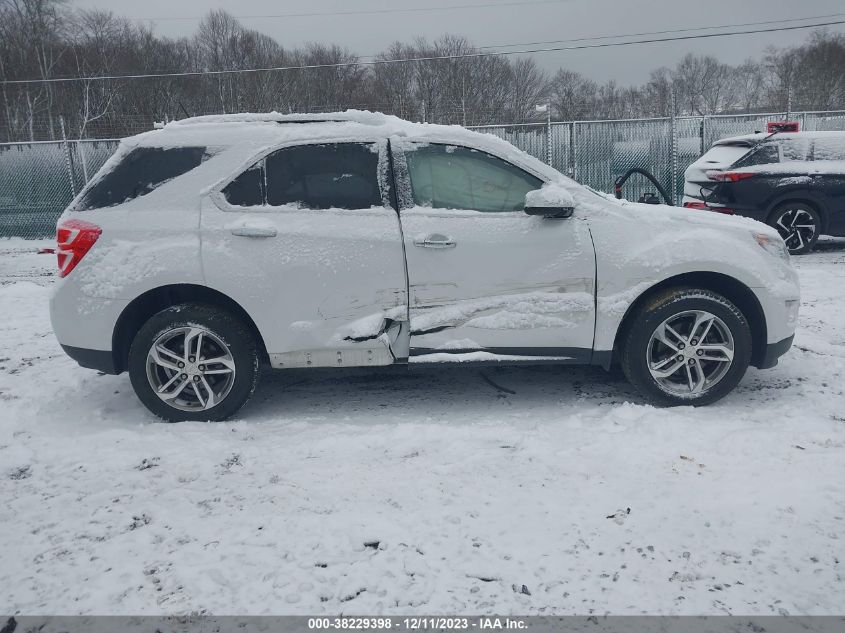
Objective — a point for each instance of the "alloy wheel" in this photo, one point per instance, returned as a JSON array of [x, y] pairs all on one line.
[[690, 352], [190, 368], [797, 227]]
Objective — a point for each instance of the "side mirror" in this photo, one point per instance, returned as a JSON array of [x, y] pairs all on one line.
[[552, 201]]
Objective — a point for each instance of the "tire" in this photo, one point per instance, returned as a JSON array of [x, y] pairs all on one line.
[[212, 392], [721, 357], [799, 225]]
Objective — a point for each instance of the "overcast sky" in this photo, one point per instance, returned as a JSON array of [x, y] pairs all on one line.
[[531, 21]]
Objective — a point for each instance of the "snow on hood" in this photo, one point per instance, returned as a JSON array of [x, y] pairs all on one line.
[[590, 201]]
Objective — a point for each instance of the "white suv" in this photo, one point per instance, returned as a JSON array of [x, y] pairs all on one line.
[[216, 246]]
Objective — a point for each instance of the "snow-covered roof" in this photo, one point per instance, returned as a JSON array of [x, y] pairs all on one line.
[[235, 140], [249, 133], [356, 116], [273, 128]]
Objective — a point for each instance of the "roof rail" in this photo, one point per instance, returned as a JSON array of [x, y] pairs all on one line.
[[356, 116]]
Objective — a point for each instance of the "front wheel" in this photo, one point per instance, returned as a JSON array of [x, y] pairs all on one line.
[[799, 225], [194, 362], [686, 346]]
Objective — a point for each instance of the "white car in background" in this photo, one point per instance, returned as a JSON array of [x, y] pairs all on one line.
[[218, 246]]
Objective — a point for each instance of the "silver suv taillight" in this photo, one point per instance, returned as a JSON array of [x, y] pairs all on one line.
[[74, 239]]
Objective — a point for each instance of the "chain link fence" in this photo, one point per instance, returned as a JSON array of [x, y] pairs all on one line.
[[595, 153], [38, 179]]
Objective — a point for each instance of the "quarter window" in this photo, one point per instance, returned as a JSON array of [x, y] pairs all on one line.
[[764, 154], [449, 177], [247, 190]]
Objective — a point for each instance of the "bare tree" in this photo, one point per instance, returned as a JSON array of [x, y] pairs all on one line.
[[32, 32], [657, 99], [749, 79], [821, 82], [450, 79], [528, 86], [572, 96], [781, 69]]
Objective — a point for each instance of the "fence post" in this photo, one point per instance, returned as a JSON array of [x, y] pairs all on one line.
[[673, 132], [80, 149], [703, 133], [68, 160], [573, 160], [788, 100], [549, 134]]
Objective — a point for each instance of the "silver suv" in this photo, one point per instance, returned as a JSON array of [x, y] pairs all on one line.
[[215, 247]]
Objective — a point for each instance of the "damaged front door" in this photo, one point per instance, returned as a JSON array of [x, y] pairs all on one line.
[[487, 281], [308, 242]]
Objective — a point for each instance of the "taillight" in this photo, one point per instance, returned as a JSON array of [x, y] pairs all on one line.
[[74, 239], [729, 176]]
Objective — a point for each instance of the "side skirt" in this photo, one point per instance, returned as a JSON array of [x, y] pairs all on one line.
[[502, 356]]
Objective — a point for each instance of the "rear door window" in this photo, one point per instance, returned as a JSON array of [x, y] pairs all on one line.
[[795, 148], [326, 176], [829, 148], [141, 171]]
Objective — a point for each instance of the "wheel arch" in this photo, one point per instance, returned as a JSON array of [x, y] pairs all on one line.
[[149, 303], [729, 287]]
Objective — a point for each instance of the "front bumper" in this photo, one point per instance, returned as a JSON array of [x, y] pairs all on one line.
[[774, 351]]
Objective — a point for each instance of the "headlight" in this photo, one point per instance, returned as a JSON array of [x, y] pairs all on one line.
[[772, 245]]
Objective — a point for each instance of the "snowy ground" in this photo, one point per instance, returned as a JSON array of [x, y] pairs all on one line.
[[429, 491]]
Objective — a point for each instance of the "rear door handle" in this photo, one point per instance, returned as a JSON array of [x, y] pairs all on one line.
[[253, 231], [435, 240]]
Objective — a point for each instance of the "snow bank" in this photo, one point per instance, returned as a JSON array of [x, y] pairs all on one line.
[[431, 491]]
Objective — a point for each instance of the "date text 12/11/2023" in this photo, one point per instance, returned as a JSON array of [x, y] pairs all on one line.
[[489, 623]]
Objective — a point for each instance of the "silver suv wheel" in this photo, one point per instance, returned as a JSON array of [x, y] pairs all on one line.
[[690, 352], [190, 368]]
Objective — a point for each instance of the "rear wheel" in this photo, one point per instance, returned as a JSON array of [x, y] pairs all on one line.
[[799, 225], [686, 346], [194, 362]]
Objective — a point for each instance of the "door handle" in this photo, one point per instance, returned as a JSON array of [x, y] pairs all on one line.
[[253, 231], [435, 240]]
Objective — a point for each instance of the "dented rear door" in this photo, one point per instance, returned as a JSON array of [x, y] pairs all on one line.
[[307, 241]]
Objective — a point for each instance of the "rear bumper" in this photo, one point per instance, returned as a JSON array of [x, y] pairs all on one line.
[[101, 360], [774, 351]]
